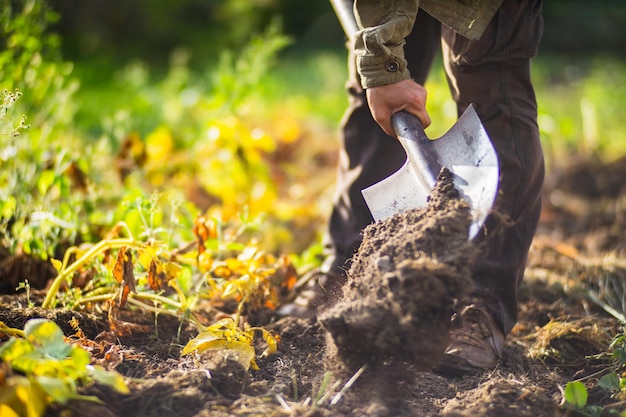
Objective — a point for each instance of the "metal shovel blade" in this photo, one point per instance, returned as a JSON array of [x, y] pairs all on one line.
[[465, 150]]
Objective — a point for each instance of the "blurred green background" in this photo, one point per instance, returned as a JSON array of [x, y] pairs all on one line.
[[228, 107], [107, 39]]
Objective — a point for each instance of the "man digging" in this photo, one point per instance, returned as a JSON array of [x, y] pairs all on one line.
[[390, 59]]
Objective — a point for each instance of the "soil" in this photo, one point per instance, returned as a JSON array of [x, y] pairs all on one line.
[[558, 334], [400, 293]]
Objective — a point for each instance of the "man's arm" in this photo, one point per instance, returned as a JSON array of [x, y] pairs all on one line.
[[379, 48]]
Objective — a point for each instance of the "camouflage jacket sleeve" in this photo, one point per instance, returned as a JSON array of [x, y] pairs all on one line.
[[379, 43]]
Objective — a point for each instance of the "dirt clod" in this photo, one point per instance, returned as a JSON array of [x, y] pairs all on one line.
[[403, 283]]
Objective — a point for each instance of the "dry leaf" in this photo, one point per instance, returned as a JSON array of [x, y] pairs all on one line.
[[124, 274]]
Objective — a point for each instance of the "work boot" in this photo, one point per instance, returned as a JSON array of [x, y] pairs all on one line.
[[316, 291], [476, 343]]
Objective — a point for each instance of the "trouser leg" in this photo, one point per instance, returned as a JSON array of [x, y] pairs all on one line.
[[484, 73], [367, 154]]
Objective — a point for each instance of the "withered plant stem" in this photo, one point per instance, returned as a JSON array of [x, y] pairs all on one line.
[[67, 271]]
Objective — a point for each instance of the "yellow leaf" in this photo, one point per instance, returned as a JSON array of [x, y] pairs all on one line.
[[202, 342], [17, 399], [271, 339], [172, 269], [287, 128], [272, 344], [235, 265], [145, 256], [220, 270], [230, 290], [225, 335], [7, 411], [205, 262], [159, 144], [262, 140], [57, 265], [22, 397], [244, 352]]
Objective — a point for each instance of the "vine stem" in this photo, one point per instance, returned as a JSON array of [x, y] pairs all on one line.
[[95, 250], [132, 296], [9, 331]]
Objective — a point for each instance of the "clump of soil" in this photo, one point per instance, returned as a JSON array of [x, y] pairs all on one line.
[[502, 396], [402, 286]]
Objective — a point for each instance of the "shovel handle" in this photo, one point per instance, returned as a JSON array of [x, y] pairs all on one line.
[[418, 147], [408, 128], [345, 14]]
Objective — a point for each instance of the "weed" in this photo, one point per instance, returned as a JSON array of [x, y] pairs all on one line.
[[45, 369], [26, 286]]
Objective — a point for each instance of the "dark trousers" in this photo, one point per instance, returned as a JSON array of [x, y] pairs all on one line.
[[494, 74]]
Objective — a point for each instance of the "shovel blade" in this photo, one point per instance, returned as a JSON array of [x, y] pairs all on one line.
[[465, 150]]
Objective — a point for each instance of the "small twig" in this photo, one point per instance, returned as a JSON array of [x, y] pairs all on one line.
[[584, 378], [283, 403], [348, 384]]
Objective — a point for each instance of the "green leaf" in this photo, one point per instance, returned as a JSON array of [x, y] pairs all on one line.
[[45, 181], [594, 410], [620, 355], [112, 379], [610, 382], [49, 336], [576, 394], [80, 357], [14, 349], [8, 207], [60, 390]]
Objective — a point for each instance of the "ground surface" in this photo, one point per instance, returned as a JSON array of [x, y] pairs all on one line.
[[558, 330]]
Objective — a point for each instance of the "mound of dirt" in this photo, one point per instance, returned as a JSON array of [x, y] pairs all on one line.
[[402, 286]]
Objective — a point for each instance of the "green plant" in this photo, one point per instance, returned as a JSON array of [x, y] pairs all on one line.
[[236, 78], [575, 394], [30, 60], [43, 187], [227, 264], [580, 108], [25, 285], [159, 271], [46, 369], [615, 380]]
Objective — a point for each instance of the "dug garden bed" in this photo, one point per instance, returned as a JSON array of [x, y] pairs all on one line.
[[562, 335]]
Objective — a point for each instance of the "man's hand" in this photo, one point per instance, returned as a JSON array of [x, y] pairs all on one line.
[[386, 100]]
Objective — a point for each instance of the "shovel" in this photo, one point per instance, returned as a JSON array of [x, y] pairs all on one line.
[[465, 150]]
